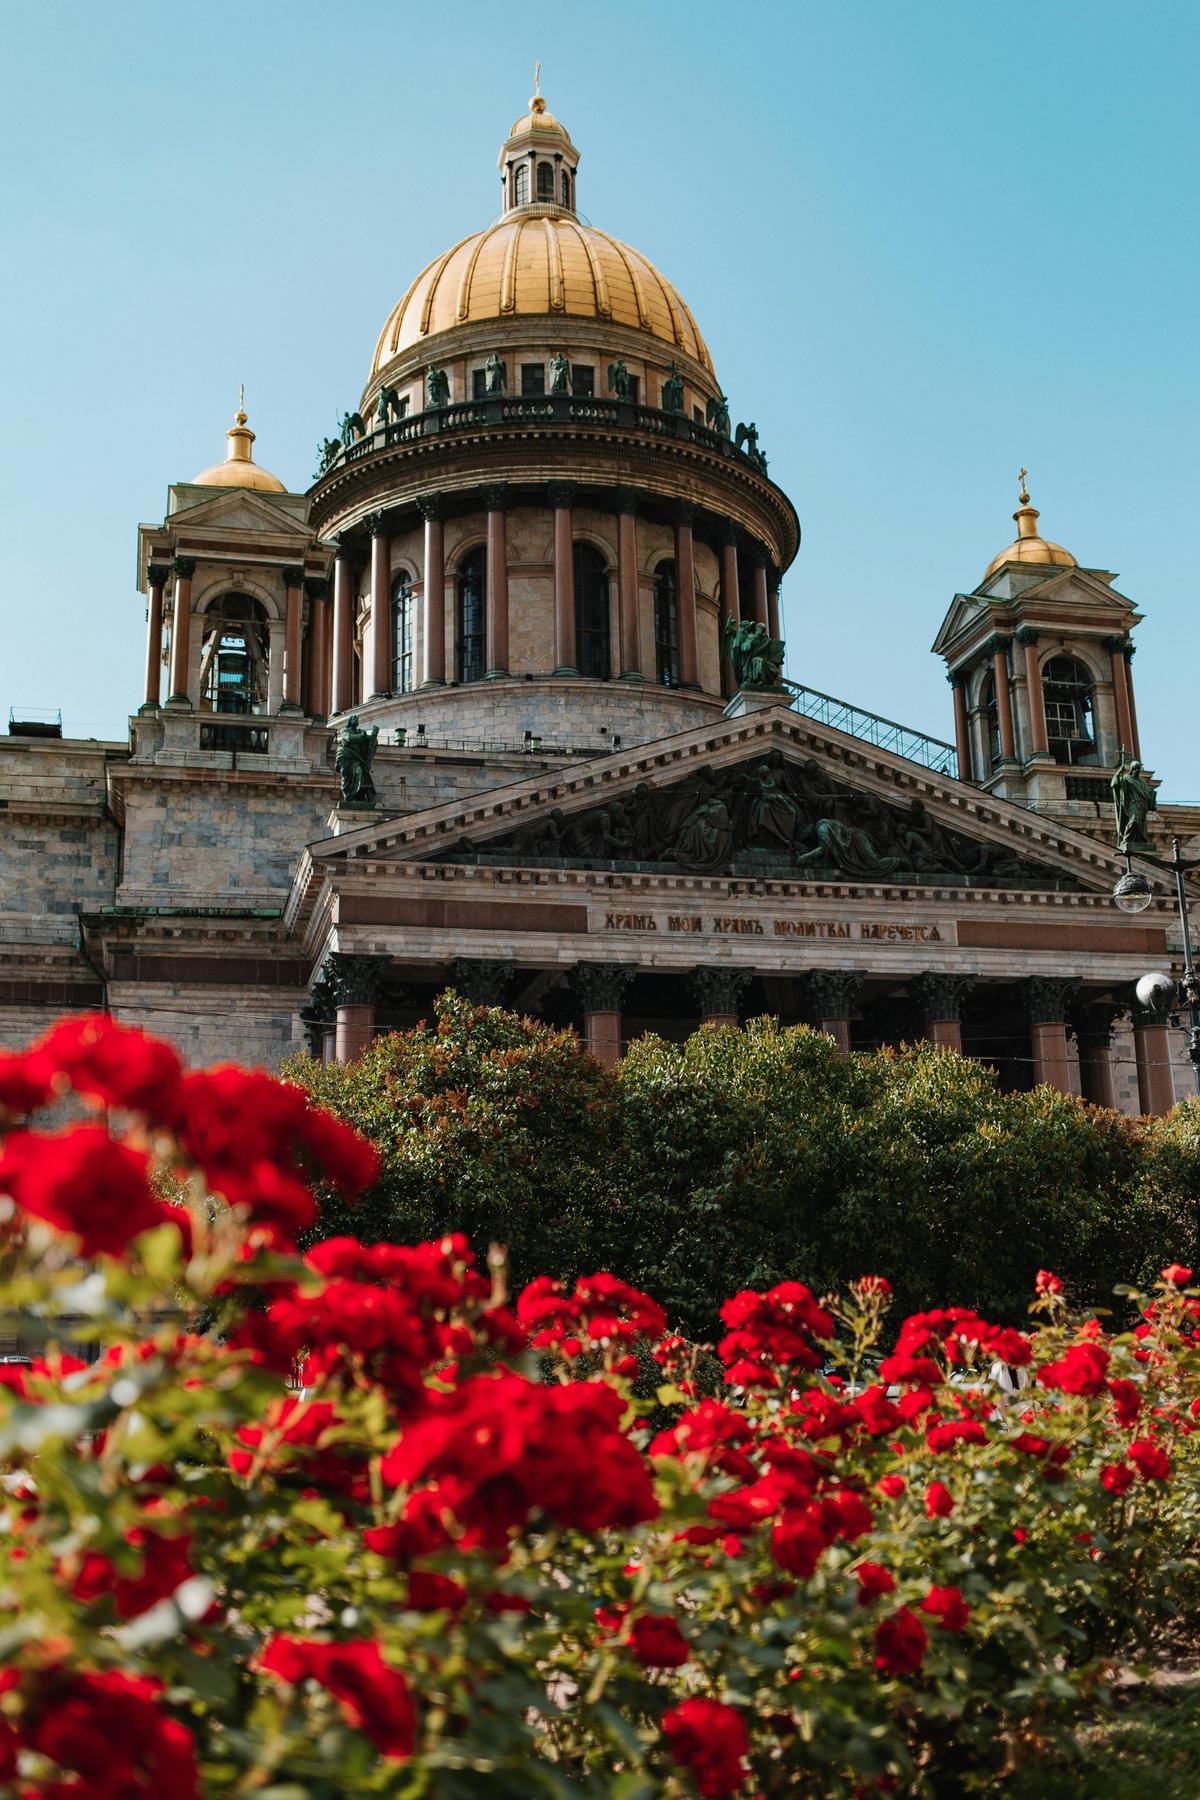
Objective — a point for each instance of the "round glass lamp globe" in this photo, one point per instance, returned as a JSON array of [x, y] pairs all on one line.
[[1156, 993], [1133, 893]]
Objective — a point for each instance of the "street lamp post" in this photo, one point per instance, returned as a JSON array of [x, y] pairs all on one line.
[[1159, 993]]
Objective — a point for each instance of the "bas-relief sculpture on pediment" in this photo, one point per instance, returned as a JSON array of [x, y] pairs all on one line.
[[768, 817]]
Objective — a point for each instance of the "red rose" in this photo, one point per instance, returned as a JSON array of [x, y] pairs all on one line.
[[877, 1413], [939, 1501], [1127, 1403], [657, 1642], [1047, 1283], [84, 1182], [947, 1606], [165, 1567], [1116, 1477], [955, 1431], [1083, 1369], [891, 1485], [873, 1581], [797, 1542], [374, 1698], [115, 1065], [110, 1730], [25, 1083], [772, 1334], [1177, 1275], [900, 1643], [711, 1740], [1150, 1459]]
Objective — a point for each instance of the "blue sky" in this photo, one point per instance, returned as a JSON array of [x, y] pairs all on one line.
[[927, 244]]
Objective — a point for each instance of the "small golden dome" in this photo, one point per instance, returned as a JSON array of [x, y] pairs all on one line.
[[239, 470], [1029, 546], [538, 122], [533, 263]]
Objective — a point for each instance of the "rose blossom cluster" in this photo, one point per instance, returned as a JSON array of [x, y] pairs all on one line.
[[417, 1527]]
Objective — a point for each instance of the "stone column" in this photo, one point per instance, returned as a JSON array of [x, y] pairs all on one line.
[[832, 996], [561, 496], [940, 998], [1152, 1049], [1120, 687], [731, 600], [318, 646], [774, 621], [1133, 724], [629, 597], [760, 588], [156, 578], [434, 591], [1093, 1025], [717, 990], [962, 728], [1046, 1002], [355, 982], [600, 987], [181, 626], [481, 982], [999, 651], [319, 1019], [495, 499], [276, 640], [377, 674], [1039, 744], [292, 580], [685, 593], [343, 631]]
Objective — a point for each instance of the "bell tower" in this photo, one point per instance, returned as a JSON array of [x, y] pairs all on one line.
[[1038, 656]]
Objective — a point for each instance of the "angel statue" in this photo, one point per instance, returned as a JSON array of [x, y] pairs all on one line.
[[437, 387], [672, 391], [352, 429], [1133, 799], [560, 374], [353, 758], [618, 379], [328, 452], [747, 436], [756, 658], [716, 415]]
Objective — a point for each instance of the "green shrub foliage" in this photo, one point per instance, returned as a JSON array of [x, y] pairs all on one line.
[[746, 1157]]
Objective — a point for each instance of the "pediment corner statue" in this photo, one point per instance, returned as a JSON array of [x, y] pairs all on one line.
[[755, 657], [1134, 800], [352, 759]]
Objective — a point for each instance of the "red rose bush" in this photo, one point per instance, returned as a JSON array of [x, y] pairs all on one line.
[[335, 1517]]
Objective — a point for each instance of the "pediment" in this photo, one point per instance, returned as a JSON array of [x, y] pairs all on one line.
[[775, 796], [965, 613], [238, 509]]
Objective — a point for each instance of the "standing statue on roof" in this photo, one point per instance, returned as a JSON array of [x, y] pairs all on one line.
[[1134, 800], [353, 758]]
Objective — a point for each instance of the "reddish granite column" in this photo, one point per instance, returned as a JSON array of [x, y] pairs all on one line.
[[1046, 999], [495, 499], [1039, 742], [377, 676], [1132, 704], [940, 998], [1093, 1036], [355, 982], [292, 579], [561, 495], [629, 601], [156, 578], [999, 649], [318, 647], [185, 568], [731, 600], [343, 631], [717, 991], [774, 621], [962, 730], [761, 604], [434, 591], [1152, 1048], [600, 987], [685, 594], [832, 995]]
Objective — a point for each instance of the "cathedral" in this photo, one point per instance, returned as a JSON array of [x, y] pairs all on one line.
[[497, 704]]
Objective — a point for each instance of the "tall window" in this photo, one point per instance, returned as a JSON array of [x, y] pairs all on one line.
[[593, 645], [533, 378], [472, 588], [990, 712], [402, 635], [566, 188], [1067, 693], [233, 657], [521, 185], [666, 625], [545, 182]]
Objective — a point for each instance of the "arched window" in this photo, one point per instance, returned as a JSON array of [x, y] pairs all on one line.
[[469, 635], [545, 187], [402, 635], [1067, 693], [990, 712], [521, 185], [593, 636], [233, 657], [566, 188], [666, 625]]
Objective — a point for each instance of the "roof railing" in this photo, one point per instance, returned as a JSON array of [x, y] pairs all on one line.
[[886, 734], [35, 722]]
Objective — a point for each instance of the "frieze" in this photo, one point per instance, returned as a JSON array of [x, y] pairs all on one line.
[[756, 925]]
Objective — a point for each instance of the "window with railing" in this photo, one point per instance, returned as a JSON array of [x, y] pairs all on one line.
[[402, 635], [666, 625], [593, 634], [1067, 696], [470, 630]]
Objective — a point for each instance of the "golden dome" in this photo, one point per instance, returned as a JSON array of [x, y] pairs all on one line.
[[538, 123], [1029, 546], [239, 470], [539, 261]]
